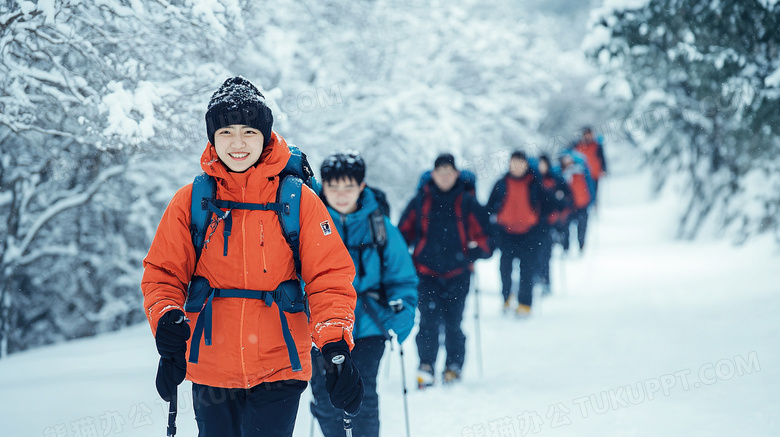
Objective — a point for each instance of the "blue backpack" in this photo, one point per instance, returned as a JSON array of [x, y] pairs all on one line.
[[207, 211]]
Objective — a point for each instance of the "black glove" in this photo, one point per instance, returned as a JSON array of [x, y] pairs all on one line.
[[170, 373], [345, 386], [172, 334]]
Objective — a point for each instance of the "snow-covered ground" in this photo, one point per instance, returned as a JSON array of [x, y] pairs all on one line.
[[643, 336]]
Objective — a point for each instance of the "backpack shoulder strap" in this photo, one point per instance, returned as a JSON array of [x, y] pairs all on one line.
[[378, 230], [298, 165], [289, 195], [204, 188], [379, 236]]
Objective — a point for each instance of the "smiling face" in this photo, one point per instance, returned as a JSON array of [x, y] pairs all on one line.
[[238, 146], [343, 194]]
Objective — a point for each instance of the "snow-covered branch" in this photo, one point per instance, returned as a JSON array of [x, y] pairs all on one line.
[[15, 253], [70, 250]]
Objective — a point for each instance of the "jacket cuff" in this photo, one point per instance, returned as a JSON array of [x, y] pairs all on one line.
[[156, 311], [330, 332]]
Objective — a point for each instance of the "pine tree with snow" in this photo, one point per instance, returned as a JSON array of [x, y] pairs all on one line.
[[700, 82]]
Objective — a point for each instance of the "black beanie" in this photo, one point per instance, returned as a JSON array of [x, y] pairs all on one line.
[[445, 159], [237, 101]]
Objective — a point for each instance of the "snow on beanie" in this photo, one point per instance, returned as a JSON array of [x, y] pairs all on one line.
[[237, 101]]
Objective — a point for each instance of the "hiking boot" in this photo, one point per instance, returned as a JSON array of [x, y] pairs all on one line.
[[451, 375], [425, 376], [523, 311]]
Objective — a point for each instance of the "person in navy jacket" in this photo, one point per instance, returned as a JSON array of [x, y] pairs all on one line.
[[386, 286], [444, 224], [515, 210], [556, 197]]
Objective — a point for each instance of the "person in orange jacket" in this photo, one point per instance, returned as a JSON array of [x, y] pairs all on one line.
[[575, 172], [515, 211], [593, 150], [243, 382]]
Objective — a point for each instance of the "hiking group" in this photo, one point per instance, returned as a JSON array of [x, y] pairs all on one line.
[[260, 281]]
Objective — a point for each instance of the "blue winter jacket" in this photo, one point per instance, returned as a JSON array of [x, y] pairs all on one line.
[[580, 166], [398, 276]]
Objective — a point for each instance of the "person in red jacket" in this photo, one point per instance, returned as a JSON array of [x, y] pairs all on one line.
[[593, 151], [243, 382], [515, 209]]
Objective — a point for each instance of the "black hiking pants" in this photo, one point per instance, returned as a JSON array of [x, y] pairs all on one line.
[[441, 305], [265, 410], [525, 248], [581, 217], [545, 253]]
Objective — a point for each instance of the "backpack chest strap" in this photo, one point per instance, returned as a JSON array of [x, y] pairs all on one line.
[[270, 206], [203, 326], [216, 206]]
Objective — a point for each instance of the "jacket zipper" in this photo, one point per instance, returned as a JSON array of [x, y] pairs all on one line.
[[243, 301], [262, 246]]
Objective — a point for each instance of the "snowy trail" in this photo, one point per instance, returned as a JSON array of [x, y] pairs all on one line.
[[651, 337], [691, 329]]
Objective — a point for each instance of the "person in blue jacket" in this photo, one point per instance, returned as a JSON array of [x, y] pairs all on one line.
[[386, 286], [574, 170]]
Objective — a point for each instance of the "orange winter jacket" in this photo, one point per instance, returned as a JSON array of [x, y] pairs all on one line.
[[594, 157], [248, 347], [519, 211]]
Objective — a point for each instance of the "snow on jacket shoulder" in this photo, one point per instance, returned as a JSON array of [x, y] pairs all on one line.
[[248, 347], [398, 275]]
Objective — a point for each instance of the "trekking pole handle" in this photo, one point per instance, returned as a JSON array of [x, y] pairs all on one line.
[[397, 305], [338, 360]]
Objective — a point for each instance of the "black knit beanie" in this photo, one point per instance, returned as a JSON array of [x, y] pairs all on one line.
[[444, 159], [237, 101]]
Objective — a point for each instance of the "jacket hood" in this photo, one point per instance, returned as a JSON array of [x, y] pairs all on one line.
[[367, 204], [272, 161]]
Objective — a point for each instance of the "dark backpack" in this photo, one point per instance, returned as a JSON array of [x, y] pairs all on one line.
[[206, 212], [377, 226], [381, 199]]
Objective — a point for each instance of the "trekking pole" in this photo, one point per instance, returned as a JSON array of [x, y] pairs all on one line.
[[562, 263], [403, 382], [311, 426], [172, 416], [476, 322], [338, 360], [389, 362]]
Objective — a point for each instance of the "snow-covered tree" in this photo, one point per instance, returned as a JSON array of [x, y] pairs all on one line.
[[101, 119], [700, 82], [87, 90], [404, 81]]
